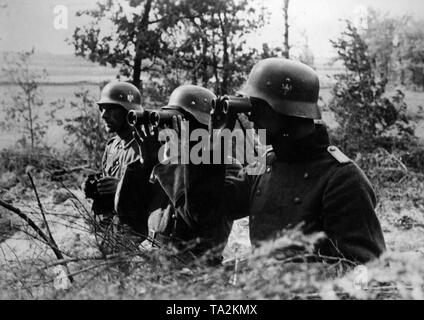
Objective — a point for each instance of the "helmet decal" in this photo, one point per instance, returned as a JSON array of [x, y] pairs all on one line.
[[124, 94], [290, 87], [194, 99], [286, 87]]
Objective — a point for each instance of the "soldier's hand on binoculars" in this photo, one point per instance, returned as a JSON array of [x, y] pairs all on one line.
[[178, 124], [107, 185], [148, 142], [85, 187]]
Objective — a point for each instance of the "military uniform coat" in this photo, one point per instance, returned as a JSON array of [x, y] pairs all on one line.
[[312, 184], [168, 211], [117, 156]]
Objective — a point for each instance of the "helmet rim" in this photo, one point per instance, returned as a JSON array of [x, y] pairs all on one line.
[[290, 87], [115, 92]]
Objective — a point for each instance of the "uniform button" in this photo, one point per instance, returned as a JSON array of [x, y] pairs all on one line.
[[258, 193], [174, 216], [297, 200], [268, 169], [306, 175]]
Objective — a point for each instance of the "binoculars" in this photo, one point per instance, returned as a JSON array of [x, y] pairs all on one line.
[[233, 104], [156, 118], [163, 117], [91, 187]]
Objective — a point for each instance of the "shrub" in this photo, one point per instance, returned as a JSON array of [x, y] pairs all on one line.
[[86, 136], [367, 118], [17, 160]]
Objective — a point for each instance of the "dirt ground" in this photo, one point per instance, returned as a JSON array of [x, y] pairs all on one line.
[[398, 274]]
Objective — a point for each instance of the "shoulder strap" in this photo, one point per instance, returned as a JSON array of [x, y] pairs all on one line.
[[338, 155], [111, 140]]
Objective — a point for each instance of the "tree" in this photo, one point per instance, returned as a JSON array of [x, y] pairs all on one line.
[[367, 118], [133, 42], [410, 51], [172, 42], [27, 101], [211, 42], [286, 52], [86, 135], [396, 48], [379, 37]]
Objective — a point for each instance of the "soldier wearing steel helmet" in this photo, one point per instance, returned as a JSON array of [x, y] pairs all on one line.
[[117, 99], [306, 182], [175, 216]]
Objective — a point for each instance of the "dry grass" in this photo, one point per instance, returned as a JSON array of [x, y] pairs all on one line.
[[30, 270]]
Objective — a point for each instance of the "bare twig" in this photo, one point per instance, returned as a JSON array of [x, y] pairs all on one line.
[[41, 209], [11, 269], [61, 172], [122, 255], [27, 220], [92, 267], [37, 229]]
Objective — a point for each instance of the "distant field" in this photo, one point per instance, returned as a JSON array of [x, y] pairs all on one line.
[[51, 93], [67, 74], [414, 100], [65, 69]]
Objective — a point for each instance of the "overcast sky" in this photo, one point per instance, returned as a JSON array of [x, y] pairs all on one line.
[[27, 23]]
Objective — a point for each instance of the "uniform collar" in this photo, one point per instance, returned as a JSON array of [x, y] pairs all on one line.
[[127, 145], [120, 143], [305, 149]]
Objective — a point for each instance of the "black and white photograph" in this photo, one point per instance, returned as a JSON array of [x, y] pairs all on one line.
[[211, 154]]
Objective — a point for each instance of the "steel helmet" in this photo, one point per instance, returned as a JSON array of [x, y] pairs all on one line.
[[122, 93], [291, 88], [193, 99]]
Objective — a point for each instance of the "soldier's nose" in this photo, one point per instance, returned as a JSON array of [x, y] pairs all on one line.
[[104, 114]]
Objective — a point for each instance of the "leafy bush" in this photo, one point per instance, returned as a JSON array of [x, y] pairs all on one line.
[[367, 118], [86, 136], [26, 102], [414, 158], [18, 160]]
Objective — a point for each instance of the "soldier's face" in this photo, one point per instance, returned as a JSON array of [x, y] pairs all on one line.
[[268, 119], [115, 117]]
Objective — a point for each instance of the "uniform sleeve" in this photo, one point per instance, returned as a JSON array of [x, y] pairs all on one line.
[[208, 202], [222, 190], [349, 218], [103, 205], [132, 197], [235, 202], [104, 160]]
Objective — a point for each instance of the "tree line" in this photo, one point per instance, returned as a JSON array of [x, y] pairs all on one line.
[[161, 44], [202, 41]]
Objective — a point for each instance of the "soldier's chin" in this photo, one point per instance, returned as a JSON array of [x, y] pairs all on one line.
[[109, 129]]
